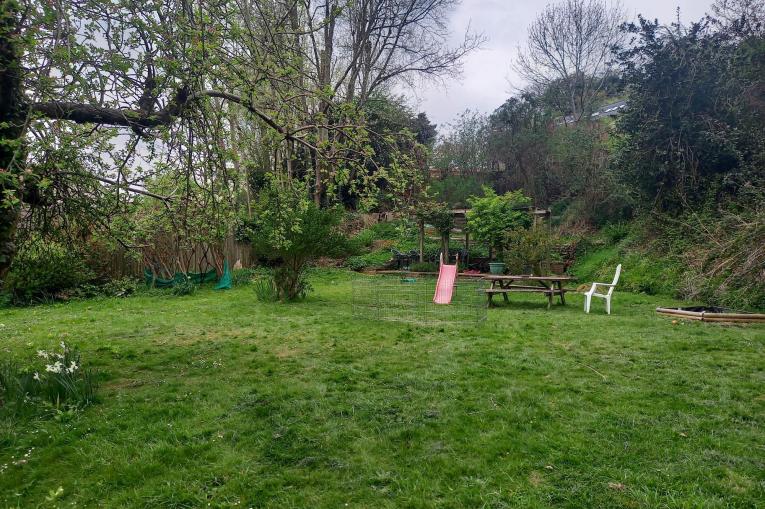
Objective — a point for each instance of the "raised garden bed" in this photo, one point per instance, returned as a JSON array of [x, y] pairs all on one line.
[[712, 314]]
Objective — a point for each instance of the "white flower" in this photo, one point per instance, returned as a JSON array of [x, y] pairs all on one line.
[[43, 354], [63, 345], [72, 367], [54, 368], [37, 376]]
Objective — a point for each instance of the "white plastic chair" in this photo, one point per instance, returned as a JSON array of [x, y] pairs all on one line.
[[607, 296]]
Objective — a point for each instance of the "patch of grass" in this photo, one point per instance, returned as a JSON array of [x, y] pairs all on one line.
[[640, 272], [219, 399], [374, 259]]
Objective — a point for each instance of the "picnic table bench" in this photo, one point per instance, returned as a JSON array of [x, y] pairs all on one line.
[[547, 285]]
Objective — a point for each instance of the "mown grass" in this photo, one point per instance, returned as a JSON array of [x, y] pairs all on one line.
[[217, 400]]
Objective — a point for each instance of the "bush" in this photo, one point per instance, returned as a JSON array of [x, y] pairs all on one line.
[[184, 287], [44, 270], [361, 241], [456, 190], [375, 259], [244, 276], [291, 231], [121, 287], [615, 232], [60, 384], [390, 230], [493, 215], [528, 249]]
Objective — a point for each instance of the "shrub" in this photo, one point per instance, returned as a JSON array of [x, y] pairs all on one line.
[[615, 232], [375, 259], [291, 231], [493, 215], [456, 190], [361, 241], [357, 263], [42, 270], [121, 287], [244, 276], [61, 383], [528, 249], [184, 286], [388, 230]]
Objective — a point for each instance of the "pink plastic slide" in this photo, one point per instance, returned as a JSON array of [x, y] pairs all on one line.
[[447, 274]]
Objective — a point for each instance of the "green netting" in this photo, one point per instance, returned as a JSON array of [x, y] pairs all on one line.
[[225, 279], [196, 277]]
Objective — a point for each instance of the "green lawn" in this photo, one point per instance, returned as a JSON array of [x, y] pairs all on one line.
[[218, 400]]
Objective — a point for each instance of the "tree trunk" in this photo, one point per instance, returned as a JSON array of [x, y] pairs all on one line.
[[12, 117], [421, 240], [467, 248], [445, 246]]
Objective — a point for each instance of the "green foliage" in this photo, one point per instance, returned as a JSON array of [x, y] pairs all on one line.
[[440, 217], [375, 259], [464, 147], [388, 230], [492, 215], [423, 267], [362, 240], [60, 384], [642, 271], [121, 287], [693, 132], [265, 288], [43, 270], [290, 230], [456, 190], [184, 286], [244, 276], [615, 232], [528, 249]]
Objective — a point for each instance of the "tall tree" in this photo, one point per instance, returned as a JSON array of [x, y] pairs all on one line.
[[151, 75], [569, 50]]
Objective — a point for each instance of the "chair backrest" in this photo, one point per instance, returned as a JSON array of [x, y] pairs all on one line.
[[616, 278]]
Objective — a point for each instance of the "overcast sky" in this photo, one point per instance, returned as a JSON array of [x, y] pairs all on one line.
[[488, 78]]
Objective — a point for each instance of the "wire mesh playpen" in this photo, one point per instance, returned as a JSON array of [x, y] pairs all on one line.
[[410, 299]]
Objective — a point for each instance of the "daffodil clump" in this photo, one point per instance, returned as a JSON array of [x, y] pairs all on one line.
[[61, 382]]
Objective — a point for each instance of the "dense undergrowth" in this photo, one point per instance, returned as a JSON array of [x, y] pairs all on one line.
[[714, 259]]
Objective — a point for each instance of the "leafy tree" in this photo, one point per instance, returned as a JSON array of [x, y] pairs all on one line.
[[290, 231], [455, 190], [517, 146], [492, 215], [694, 130], [462, 150], [277, 84]]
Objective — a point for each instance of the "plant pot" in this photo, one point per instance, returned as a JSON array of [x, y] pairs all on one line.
[[496, 267]]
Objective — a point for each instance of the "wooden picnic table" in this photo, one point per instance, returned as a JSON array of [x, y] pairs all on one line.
[[548, 285]]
